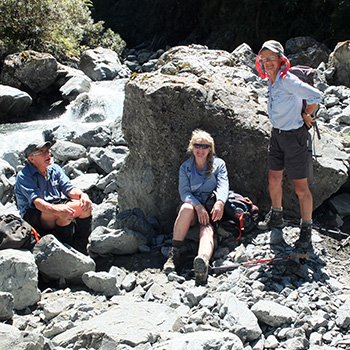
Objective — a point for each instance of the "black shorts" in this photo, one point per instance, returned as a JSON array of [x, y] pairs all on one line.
[[32, 216], [290, 150]]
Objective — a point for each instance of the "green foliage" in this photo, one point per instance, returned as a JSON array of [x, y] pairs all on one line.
[[63, 28]]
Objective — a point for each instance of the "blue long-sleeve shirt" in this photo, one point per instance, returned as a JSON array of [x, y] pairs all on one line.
[[218, 181], [30, 184], [286, 99]]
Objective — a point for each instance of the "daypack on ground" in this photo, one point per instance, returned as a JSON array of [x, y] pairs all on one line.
[[16, 233], [239, 216]]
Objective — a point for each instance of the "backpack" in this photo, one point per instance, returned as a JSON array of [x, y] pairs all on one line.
[[16, 233], [239, 216], [304, 73]]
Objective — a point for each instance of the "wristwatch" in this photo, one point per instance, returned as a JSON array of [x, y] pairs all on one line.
[[307, 114]]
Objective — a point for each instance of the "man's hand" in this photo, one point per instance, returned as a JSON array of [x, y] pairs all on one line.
[[218, 210], [202, 214], [85, 202], [308, 119]]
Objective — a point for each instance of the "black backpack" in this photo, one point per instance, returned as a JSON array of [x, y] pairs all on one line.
[[240, 215], [16, 233]]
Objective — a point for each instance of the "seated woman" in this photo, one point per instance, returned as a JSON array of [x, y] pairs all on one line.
[[199, 176]]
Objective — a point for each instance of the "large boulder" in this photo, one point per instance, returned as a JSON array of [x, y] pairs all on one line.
[[56, 260], [134, 323], [199, 88], [102, 64], [306, 51], [340, 59], [13, 102], [29, 69], [19, 276]]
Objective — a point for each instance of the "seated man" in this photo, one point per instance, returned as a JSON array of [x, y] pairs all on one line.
[[39, 187]]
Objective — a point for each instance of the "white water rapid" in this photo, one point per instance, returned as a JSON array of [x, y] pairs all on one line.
[[104, 101]]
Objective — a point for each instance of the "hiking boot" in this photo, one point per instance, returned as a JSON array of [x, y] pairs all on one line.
[[273, 218], [173, 260], [305, 237], [201, 266]]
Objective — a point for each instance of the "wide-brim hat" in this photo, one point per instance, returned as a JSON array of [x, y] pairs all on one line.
[[273, 46], [36, 146]]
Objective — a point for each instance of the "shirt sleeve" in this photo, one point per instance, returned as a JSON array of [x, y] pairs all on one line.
[[303, 90], [185, 187], [26, 189], [222, 183]]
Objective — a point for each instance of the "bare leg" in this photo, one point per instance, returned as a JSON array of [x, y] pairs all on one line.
[[185, 219], [206, 241], [275, 187], [305, 198], [49, 221]]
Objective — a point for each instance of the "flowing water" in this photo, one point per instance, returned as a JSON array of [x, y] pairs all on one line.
[[103, 104]]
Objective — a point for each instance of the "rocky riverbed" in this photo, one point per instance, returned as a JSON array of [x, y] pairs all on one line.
[[282, 305]]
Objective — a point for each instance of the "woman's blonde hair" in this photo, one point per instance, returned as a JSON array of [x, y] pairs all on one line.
[[199, 135]]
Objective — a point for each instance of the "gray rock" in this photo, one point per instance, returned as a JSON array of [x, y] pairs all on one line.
[[97, 137], [242, 321], [13, 102], [19, 276], [6, 306], [104, 241], [12, 338], [65, 151], [273, 313], [29, 68], [306, 51], [126, 323], [202, 340], [49, 254], [102, 64], [103, 214], [340, 204], [106, 159], [339, 59], [343, 315], [102, 281], [85, 182], [75, 86]]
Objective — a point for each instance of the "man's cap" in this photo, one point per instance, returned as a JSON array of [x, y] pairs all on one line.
[[273, 46], [36, 146]]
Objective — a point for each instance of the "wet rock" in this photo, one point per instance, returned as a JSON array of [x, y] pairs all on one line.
[[13, 102]]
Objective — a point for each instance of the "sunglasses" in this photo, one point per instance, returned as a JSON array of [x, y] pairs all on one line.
[[199, 145]]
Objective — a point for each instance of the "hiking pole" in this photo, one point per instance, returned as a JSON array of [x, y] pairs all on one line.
[[314, 124], [222, 269], [322, 229], [344, 243]]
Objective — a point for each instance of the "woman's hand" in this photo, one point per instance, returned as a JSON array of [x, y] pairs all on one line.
[[218, 210], [202, 214]]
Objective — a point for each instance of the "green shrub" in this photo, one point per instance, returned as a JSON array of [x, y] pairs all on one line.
[[63, 28]]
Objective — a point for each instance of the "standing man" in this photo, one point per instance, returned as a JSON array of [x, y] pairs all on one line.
[[288, 148], [39, 188]]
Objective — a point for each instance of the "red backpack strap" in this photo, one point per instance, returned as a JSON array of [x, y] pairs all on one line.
[[35, 234], [240, 227]]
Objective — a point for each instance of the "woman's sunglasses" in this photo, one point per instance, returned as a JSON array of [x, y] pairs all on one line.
[[199, 145]]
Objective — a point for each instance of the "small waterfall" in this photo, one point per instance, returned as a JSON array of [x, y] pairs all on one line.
[[101, 105]]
